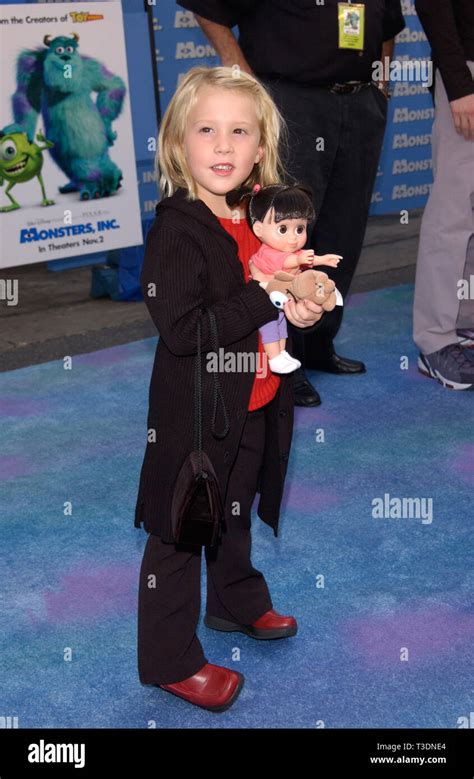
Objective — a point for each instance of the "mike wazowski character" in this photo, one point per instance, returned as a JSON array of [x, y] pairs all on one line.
[[57, 82], [21, 161]]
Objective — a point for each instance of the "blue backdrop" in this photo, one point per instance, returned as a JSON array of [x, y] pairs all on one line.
[[405, 172]]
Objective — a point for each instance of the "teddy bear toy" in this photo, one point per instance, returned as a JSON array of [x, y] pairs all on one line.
[[311, 285]]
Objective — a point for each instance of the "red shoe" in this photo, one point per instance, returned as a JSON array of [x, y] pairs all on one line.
[[269, 625], [213, 687]]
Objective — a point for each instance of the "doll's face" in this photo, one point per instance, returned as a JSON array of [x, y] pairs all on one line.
[[289, 235]]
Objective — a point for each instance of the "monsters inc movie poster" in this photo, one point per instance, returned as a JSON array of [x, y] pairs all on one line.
[[68, 182]]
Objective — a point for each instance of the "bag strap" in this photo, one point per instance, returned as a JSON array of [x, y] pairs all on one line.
[[217, 387], [217, 394]]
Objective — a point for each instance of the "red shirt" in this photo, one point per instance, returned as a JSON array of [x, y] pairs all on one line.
[[264, 386]]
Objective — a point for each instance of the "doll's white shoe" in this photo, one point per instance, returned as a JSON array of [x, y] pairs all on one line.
[[289, 357], [281, 364]]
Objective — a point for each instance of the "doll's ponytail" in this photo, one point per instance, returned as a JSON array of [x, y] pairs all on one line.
[[238, 196]]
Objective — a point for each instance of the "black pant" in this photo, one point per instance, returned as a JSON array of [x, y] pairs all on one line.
[[170, 577], [334, 146]]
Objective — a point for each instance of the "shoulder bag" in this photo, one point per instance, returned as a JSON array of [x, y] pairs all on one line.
[[197, 511]]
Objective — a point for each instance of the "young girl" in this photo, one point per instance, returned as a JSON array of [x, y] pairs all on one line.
[[278, 215], [221, 130]]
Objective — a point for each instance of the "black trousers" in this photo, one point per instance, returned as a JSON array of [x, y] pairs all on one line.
[[334, 146], [170, 577]]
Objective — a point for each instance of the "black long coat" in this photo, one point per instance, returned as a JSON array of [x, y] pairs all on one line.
[[192, 263]]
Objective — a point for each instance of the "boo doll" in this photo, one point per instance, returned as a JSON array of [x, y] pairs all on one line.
[[278, 215]]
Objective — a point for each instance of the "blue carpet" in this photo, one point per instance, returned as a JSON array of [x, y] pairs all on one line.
[[384, 605]]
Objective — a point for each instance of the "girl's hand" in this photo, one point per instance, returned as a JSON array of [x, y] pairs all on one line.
[[328, 259], [304, 313]]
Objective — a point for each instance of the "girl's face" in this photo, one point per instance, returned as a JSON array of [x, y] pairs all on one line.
[[289, 235], [222, 129]]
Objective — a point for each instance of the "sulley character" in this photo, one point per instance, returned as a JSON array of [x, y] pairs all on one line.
[[21, 161], [57, 82]]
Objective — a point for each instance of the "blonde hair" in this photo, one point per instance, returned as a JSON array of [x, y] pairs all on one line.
[[170, 163]]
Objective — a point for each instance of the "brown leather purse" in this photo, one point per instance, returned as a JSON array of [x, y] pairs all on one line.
[[197, 511]]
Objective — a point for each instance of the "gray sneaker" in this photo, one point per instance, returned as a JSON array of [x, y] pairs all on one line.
[[466, 338], [450, 366]]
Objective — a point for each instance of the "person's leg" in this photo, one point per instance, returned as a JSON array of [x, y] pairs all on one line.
[[314, 118], [335, 143], [342, 220], [283, 333], [235, 589], [446, 230], [465, 320], [271, 338], [279, 361], [168, 612]]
